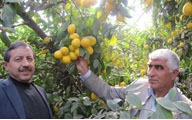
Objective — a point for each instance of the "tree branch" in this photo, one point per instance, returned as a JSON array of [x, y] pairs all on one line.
[[31, 23]]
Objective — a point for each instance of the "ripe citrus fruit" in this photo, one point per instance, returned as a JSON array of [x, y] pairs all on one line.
[[44, 51], [55, 109], [103, 103], [120, 17], [109, 6], [93, 40], [85, 42], [73, 56], [64, 50], [90, 50], [93, 96], [146, 46], [189, 25], [71, 48], [180, 52], [170, 41], [168, 25], [71, 28], [46, 40], [77, 52], [74, 36], [76, 43], [187, 9], [58, 54], [122, 84], [66, 59]]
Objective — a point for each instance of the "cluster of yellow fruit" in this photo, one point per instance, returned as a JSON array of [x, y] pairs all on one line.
[[69, 53]]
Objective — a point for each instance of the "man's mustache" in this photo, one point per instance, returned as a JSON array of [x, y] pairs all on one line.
[[25, 69]]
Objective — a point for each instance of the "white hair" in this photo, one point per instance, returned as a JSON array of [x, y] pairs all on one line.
[[166, 54]]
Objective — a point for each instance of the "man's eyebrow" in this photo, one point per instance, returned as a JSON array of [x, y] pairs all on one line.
[[156, 65]]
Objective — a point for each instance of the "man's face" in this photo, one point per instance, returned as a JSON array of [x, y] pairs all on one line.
[[21, 64], [160, 76]]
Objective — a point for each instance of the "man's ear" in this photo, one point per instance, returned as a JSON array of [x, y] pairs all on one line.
[[4, 63], [175, 74]]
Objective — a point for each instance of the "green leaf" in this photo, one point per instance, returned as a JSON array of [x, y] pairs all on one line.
[[167, 104], [61, 32], [125, 115], [74, 106], [134, 100], [8, 15], [184, 107], [161, 113], [172, 93], [113, 104], [95, 63], [5, 38]]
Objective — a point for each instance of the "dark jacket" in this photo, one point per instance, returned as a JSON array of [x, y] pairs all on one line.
[[11, 105]]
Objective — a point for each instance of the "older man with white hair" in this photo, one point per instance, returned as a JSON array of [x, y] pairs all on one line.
[[163, 69]]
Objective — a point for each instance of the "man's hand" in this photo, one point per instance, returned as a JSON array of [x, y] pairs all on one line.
[[82, 66]]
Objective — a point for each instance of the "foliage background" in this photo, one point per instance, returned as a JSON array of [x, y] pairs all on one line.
[[120, 53]]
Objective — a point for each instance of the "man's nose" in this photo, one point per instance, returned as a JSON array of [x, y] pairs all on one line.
[[25, 62], [151, 71]]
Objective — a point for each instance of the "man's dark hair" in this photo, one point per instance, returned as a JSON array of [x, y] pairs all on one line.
[[14, 46]]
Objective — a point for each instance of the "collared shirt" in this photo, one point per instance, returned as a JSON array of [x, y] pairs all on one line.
[[151, 93]]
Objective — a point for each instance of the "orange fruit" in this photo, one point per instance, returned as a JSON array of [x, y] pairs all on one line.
[[58, 54], [66, 59], [189, 25], [187, 9], [122, 84], [85, 42], [103, 103], [71, 28], [90, 50], [55, 109], [71, 48], [146, 46], [182, 44], [168, 25], [73, 56], [76, 43], [109, 6], [93, 40], [44, 51], [77, 52], [93, 96], [170, 41], [64, 50], [74, 36], [46, 40]]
